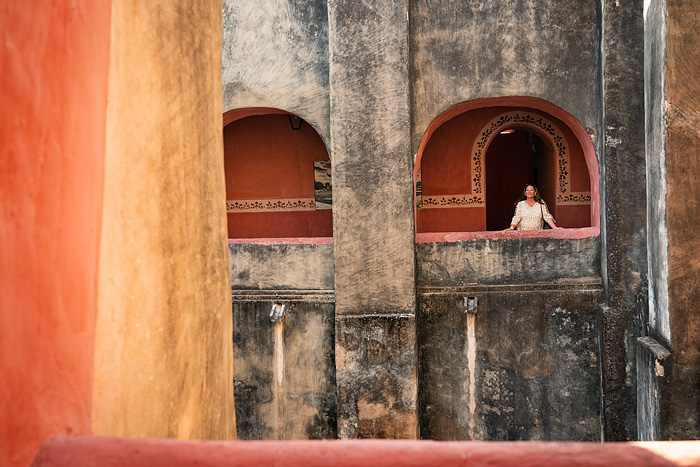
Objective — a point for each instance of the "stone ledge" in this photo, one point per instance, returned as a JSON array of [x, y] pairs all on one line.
[[106, 451]]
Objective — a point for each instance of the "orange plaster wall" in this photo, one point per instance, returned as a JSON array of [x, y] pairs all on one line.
[[452, 220], [281, 224], [445, 164], [266, 159], [445, 170], [54, 60], [574, 216], [547, 176]]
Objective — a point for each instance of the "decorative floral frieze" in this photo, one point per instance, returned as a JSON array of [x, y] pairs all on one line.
[[576, 198], [270, 205], [509, 119], [451, 201]]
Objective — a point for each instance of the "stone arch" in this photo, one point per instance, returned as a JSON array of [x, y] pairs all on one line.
[[526, 113], [278, 212], [532, 121]]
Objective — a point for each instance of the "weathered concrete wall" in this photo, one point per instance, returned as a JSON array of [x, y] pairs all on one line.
[[515, 48], [623, 187], [656, 320], [655, 100], [163, 355], [585, 58], [370, 150], [673, 112], [652, 358], [506, 261], [524, 366], [281, 266], [284, 371], [473, 49], [275, 54], [376, 372], [373, 218], [284, 374]]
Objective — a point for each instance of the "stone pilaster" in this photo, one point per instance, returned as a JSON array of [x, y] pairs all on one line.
[[373, 219], [623, 189]]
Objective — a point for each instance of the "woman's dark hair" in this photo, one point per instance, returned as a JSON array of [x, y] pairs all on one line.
[[537, 194]]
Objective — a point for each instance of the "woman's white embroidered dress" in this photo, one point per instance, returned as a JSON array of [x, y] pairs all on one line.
[[530, 218]]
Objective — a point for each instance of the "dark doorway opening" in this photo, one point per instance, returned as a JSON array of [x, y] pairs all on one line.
[[515, 158]]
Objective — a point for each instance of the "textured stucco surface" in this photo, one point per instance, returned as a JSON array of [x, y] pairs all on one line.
[[370, 150], [536, 371], [373, 226], [284, 372], [376, 376], [53, 87], [656, 319], [281, 266], [650, 369], [473, 49], [669, 398], [680, 401], [387, 79], [623, 184], [655, 101], [275, 54], [506, 261], [163, 354]]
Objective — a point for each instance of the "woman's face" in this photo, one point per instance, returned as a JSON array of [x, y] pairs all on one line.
[[530, 192]]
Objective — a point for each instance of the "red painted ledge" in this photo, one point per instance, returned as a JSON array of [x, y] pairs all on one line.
[[284, 241], [437, 237], [107, 452], [434, 237]]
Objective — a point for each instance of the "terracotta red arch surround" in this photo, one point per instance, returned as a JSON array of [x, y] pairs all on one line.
[[537, 105]]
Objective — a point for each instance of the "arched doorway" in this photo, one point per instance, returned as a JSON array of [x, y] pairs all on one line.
[[515, 158], [278, 181], [475, 159]]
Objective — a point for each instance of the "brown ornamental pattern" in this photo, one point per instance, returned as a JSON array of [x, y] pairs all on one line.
[[514, 118], [268, 205]]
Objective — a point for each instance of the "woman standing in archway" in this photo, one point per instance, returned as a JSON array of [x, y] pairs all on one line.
[[531, 212]]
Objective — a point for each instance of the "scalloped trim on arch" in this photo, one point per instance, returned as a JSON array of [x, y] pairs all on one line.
[[530, 119], [518, 118]]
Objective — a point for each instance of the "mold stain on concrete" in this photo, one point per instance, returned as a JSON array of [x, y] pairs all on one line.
[[471, 365], [279, 377]]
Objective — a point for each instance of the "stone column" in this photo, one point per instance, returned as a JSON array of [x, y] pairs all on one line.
[[163, 351], [623, 228], [670, 402], [373, 219]]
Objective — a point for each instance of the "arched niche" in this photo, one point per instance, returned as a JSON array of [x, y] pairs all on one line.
[[451, 171], [274, 162], [515, 157]]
